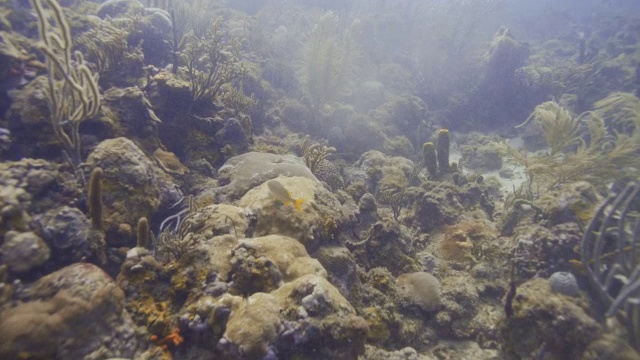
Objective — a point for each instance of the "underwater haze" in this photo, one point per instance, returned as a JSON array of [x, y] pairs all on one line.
[[319, 179]]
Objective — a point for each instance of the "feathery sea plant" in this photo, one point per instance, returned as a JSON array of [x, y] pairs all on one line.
[[106, 45], [211, 61], [329, 60], [580, 148], [72, 88], [622, 111], [234, 98], [611, 257]]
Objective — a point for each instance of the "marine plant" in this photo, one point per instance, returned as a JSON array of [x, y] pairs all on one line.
[[72, 89], [234, 98], [610, 256], [394, 197], [328, 60], [239, 104], [622, 111], [579, 148], [106, 46], [212, 61], [190, 17], [314, 154], [176, 241]]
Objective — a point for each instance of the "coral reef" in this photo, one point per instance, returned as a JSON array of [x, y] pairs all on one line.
[[308, 180]]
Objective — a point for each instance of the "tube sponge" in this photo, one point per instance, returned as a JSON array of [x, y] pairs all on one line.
[[143, 233], [442, 149], [95, 198], [429, 158]]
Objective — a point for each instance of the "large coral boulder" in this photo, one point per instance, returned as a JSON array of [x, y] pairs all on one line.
[[313, 223], [243, 172], [305, 316], [130, 187], [74, 313]]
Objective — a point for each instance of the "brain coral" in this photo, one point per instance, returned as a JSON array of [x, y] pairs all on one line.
[[422, 288]]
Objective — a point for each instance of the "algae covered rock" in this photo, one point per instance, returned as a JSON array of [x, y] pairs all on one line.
[[386, 244], [263, 264], [132, 114], [504, 56], [460, 304], [306, 315], [316, 221], [117, 8], [287, 254], [130, 187], [341, 268], [22, 252], [482, 158], [362, 134], [542, 318], [28, 120], [253, 326], [384, 172], [543, 251], [14, 203], [79, 303], [573, 202], [68, 233], [478, 152]]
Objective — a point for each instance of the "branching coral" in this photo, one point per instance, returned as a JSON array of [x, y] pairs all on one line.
[[235, 99], [190, 17], [580, 148], [106, 45], [211, 62], [622, 111], [314, 154], [328, 60], [72, 92]]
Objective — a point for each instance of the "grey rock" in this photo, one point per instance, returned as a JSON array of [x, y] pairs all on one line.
[[244, 172], [64, 227], [23, 252]]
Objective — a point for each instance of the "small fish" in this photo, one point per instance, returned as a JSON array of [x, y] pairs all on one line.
[[283, 195]]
